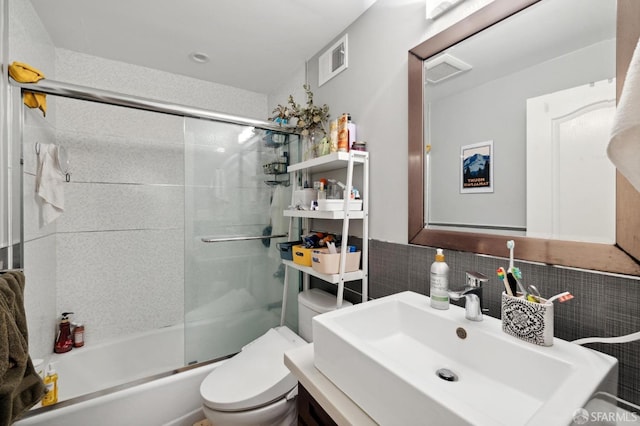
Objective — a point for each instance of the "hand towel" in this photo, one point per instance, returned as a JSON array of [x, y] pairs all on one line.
[[279, 223], [624, 145], [20, 386], [24, 73], [50, 183]]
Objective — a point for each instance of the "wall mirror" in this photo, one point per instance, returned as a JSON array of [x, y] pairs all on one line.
[[509, 111]]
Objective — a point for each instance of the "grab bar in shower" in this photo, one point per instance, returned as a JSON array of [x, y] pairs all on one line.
[[242, 238]]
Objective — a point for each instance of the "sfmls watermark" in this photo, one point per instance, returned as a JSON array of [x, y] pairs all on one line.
[[581, 417]]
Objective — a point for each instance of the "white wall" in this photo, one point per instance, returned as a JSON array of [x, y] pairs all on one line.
[[374, 90], [30, 43]]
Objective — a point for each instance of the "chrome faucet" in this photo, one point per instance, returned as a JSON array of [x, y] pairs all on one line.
[[473, 295]]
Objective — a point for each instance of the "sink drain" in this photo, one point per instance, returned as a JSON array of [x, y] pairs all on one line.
[[461, 333], [446, 374]]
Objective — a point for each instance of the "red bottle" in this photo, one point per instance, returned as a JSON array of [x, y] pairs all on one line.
[[64, 340]]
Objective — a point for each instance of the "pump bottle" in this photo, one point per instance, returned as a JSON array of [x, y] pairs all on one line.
[[64, 339], [439, 282]]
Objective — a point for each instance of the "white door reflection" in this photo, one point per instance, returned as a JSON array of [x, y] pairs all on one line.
[[570, 180]]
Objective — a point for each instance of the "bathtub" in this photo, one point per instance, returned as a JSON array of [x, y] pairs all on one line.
[[173, 400], [141, 379], [96, 367], [97, 388]]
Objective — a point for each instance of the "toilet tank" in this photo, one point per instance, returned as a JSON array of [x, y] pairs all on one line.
[[311, 303]]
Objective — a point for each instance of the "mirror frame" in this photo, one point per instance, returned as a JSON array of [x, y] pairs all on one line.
[[591, 256]]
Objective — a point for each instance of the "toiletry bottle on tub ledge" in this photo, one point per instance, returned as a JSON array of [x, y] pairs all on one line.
[[64, 339], [51, 384], [439, 282]]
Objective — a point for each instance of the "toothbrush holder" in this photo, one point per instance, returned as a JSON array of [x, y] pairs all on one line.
[[528, 321]]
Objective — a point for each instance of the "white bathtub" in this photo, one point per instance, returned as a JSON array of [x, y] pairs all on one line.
[[173, 400], [113, 366], [96, 367]]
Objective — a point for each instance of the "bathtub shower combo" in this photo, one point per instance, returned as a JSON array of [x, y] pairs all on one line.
[[165, 250]]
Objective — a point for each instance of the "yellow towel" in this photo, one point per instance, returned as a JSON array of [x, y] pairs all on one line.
[[24, 73]]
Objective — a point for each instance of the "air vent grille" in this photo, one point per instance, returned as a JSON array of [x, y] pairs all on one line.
[[443, 67], [333, 61]]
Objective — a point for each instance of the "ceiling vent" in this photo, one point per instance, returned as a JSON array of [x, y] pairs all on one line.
[[333, 61], [435, 8], [443, 67]]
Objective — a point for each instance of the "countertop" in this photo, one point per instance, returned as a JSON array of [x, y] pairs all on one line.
[[338, 405]]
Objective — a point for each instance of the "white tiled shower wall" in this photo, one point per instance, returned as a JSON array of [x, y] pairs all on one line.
[[122, 232]]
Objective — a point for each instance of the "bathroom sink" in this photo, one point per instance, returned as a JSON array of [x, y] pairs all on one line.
[[404, 362]]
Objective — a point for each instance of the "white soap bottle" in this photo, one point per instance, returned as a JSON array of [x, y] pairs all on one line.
[[439, 282]]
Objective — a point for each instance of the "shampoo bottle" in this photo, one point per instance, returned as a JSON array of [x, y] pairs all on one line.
[[439, 282], [351, 128], [51, 384], [343, 133]]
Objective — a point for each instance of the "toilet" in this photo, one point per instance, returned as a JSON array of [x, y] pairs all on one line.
[[254, 387]]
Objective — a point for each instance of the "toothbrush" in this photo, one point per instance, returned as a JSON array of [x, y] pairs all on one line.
[[515, 284], [517, 273], [562, 297], [513, 274], [510, 245], [503, 276], [517, 276]]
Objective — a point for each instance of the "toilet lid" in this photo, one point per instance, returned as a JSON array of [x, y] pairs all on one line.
[[254, 377]]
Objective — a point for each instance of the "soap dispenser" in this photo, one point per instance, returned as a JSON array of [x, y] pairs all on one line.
[[439, 282], [64, 339]]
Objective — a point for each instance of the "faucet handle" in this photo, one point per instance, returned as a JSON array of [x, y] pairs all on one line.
[[475, 279]]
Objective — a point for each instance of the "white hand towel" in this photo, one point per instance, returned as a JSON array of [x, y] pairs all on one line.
[[50, 183], [624, 145], [279, 223]]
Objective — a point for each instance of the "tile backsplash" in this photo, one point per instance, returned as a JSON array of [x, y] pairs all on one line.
[[604, 305]]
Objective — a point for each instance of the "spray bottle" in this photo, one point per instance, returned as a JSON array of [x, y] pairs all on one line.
[[439, 282]]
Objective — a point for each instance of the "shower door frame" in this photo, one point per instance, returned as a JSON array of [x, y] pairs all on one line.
[[78, 92], [74, 91]]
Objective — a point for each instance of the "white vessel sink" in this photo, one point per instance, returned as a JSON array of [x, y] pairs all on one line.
[[385, 354]]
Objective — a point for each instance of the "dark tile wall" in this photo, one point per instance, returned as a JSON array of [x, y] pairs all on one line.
[[604, 305]]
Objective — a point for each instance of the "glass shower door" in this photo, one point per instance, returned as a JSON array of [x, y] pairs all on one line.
[[236, 188]]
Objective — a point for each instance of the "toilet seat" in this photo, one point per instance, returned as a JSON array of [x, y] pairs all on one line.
[[254, 377]]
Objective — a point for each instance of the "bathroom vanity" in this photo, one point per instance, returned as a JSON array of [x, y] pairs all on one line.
[[395, 360], [310, 412], [322, 396]]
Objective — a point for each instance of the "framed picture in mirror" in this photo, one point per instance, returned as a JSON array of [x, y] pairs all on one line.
[[476, 167]]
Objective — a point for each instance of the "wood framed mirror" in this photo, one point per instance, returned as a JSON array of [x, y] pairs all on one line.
[[621, 257]]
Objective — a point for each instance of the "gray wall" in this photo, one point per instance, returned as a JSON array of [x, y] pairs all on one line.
[[604, 305], [374, 90], [496, 111]]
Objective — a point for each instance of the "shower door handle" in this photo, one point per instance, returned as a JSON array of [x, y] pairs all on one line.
[[241, 238]]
